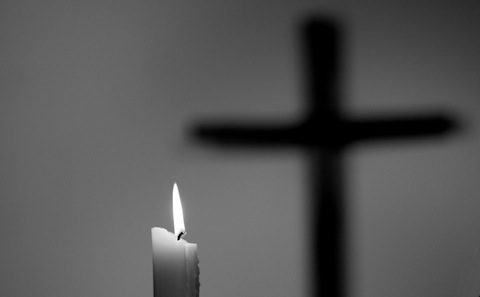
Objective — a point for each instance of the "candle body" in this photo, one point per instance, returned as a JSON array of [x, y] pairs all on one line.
[[175, 266]]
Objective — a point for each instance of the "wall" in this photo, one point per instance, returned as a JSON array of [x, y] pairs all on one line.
[[96, 98]]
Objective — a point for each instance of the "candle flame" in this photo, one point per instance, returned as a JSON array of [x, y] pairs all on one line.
[[178, 224]]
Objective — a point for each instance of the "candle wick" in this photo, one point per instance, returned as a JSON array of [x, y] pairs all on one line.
[[180, 235]]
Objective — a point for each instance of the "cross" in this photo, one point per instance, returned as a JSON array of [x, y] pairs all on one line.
[[324, 133]]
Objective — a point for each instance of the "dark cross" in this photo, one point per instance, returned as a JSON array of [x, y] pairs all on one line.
[[324, 133]]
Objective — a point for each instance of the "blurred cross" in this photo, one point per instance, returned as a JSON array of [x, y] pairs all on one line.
[[324, 134]]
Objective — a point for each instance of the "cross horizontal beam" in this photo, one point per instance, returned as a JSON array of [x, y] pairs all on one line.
[[319, 133]]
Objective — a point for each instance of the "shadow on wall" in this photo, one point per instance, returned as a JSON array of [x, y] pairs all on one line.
[[324, 134]]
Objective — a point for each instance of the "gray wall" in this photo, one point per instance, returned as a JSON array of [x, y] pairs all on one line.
[[95, 100]]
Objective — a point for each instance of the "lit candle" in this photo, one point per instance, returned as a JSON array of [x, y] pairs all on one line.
[[175, 261]]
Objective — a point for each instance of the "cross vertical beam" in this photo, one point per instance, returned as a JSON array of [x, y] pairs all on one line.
[[322, 46]]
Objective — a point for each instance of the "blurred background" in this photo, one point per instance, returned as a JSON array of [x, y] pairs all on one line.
[[96, 100]]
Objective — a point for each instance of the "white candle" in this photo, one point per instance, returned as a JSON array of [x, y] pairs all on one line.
[[175, 261]]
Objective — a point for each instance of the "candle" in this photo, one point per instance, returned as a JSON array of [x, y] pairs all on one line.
[[175, 261]]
